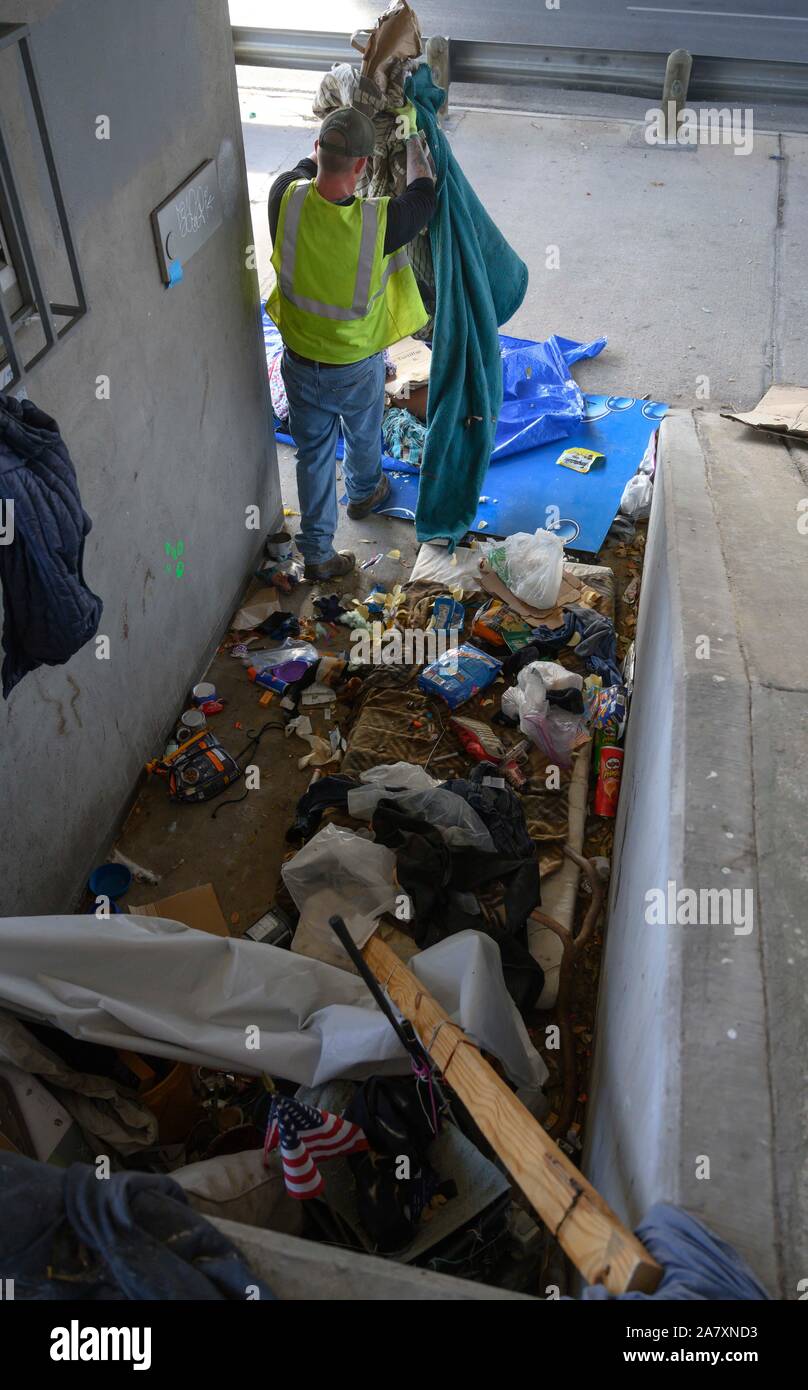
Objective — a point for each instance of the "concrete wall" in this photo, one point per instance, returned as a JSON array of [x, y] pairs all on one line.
[[683, 1039], [179, 450]]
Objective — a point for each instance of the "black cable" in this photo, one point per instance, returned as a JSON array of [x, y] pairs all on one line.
[[254, 740]]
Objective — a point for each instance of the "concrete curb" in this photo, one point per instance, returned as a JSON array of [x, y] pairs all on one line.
[[681, 1082]]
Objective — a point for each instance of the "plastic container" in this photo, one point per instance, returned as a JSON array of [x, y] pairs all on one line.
[[607, 789], [279, 678], [109, 881]]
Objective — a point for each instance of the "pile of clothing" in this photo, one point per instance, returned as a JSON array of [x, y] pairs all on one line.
[[452, 841]]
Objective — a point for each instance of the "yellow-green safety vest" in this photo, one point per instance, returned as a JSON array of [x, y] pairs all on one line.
[[337, 297]]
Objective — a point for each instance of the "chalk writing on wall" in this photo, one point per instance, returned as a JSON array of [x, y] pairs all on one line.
[[186, 219]]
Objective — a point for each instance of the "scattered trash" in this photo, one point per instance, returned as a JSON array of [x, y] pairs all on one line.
[[317, 694], [255, 612], [330, 607], [580, 460], [199, 770], [556, 726], [279, 547], [783, 410], [637, 497], [195, 907], [530, 565], [137, 870], [459, 674], [607, 788], [278, 678], [447, 613]]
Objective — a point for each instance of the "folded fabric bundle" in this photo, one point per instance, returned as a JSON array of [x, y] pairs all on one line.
[[479, 284], [403, 436], [456, 821], [324, 795], [697, 1264], [501, 811], [589, 633], [441, 881], [65, 1235]]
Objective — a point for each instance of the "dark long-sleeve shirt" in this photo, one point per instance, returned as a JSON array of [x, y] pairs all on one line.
[[406, 214]]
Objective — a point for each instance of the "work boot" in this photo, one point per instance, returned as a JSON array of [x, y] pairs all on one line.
[[334, 568], [381, 492]]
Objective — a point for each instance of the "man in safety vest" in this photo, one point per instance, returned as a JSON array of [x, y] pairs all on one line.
[[344, 292]]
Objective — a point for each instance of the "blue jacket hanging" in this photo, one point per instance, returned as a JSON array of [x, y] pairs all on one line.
[[49, 613]]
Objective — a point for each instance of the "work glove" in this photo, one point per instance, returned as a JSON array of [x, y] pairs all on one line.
[[406, 119]]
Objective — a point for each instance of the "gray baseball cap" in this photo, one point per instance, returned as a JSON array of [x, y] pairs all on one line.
[[348, 131]]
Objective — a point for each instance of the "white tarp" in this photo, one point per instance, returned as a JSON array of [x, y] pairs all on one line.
[[151, 985]]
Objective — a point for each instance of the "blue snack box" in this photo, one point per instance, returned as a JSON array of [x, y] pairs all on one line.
[[459, 673]]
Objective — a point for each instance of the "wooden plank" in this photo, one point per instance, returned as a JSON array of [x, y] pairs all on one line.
[[590, 1233]]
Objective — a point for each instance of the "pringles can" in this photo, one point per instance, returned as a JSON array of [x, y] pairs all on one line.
[[607, 789]]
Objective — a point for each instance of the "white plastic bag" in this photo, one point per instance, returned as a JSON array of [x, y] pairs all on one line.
[[339, 872], [553, 730], [290, 649], [403, 775], [637, 497], [531, 566]]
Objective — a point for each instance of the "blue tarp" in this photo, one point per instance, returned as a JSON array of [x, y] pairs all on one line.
[[540, 400], [541, 405], [520, 487]]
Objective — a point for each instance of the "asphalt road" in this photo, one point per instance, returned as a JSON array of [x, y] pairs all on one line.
[[773, 29]]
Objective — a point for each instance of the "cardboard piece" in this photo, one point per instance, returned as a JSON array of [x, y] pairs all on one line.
[[196, 907], [256, 610], [412, 360], [783, 410], [572, 591], [396, 34]]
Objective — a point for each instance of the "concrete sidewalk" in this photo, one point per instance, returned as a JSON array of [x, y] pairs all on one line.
[[690, 262], [698, 1089]]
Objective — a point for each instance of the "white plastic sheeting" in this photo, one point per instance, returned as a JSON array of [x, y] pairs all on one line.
[[152, 985]]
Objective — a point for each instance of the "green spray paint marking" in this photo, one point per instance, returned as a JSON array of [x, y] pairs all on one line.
[[175, 551]]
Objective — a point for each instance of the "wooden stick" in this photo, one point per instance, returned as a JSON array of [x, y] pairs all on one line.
[[596, 1241]]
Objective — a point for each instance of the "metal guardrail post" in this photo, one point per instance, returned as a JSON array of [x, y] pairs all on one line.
[[437, 55], [674, 91]]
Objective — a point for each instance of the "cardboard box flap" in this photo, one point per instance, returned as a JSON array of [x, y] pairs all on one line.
[[196, 907], [783, 410]]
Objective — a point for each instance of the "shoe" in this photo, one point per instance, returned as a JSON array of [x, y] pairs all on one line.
[[368, 504], [334, 568]]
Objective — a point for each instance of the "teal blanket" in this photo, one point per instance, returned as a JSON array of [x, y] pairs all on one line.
[[479, 283]]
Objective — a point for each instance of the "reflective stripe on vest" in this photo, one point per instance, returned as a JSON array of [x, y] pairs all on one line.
[[362, 299]]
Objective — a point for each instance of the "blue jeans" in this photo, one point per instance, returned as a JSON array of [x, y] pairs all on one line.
[[319, 397]]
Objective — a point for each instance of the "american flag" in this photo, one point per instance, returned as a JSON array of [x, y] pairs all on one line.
[[304, 1134]]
